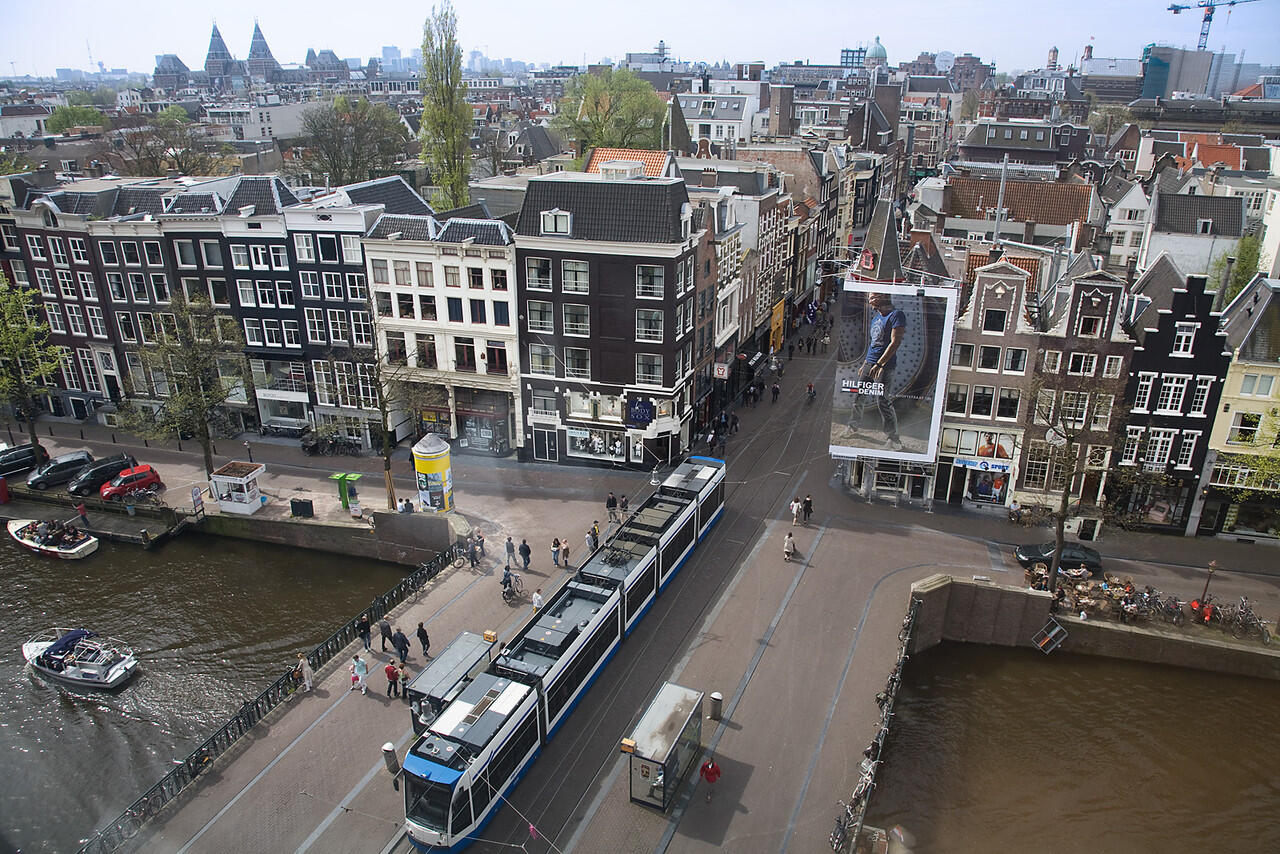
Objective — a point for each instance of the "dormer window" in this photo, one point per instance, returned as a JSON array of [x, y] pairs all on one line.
[[555, 222], [708, 108], [1204, 226]]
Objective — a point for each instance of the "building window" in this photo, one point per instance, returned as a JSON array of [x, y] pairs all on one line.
[[260, 258], [574, 277], [332, 286], [555, 222], [425, 277], [1172, 391], [1074, 409], [962, 356], [404, 306], [544, 401], [253, 332], [649, 325], [304, 247], [577, 320], [541, 316], [1132, 442], [993, 320], [397, 352], [279, 258], [1184, 338], [1052, 361], [97, 328], [1244, 428], [577, 363], [124, 321], [501, 314], [464, 354], [451, 278], [1112, 366], [1200, 397], [957, 398], [475, 278], [1102, 405], [403, 276], [59, 253], [284, 294], [1187, 448], [328, 248], [499, 278], [1015, 360], [988, 358], [542, 360], [266, 294], [186, 251], [1036, 474], [87, 287], [54, 316], [426, 307], [1082, 364], [1090, 327], [271, 333], [495, 357], [338, 329], [219, 295], [315, 326], [477, 311], [426, 350], [1142, 394], [351, 249], [648, 369], [244, 289], [309, 280], [649, 281], [1159, 446], [455, 310], [355, 287], [138, 287], [379, 266], [107, 250], [983, 399], [11, 238], [210, 249], [1204, 226], [115, 284], [538, 273], [1258, 385], [1007, 407]]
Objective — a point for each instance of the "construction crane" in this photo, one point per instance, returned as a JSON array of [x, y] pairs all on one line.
[[1208, 6]]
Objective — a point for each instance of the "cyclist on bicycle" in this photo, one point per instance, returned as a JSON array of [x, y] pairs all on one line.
[[506, 580], [809, 390]]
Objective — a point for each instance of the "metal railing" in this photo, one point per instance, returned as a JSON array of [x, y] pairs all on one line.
[[115, 834]]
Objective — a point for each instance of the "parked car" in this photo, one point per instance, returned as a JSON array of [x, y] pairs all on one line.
[[138, 477], [1073, 555], [22, 457], [58, 470], [89, 480]]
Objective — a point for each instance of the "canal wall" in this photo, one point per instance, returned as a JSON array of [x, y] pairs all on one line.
[[975, 611], [407, 539]]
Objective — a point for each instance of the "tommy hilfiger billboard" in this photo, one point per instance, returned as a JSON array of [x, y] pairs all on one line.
[[892, 358]]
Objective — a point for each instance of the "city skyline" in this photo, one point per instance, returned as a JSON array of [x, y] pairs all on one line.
[[578, 34]]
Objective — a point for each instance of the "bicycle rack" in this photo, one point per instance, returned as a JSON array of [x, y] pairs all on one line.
[[1050, 637]]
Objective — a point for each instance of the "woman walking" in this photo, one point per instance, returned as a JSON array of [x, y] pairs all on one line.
[[304, 672], [788, 547], [359, 673], [555, 551], [564, 552]]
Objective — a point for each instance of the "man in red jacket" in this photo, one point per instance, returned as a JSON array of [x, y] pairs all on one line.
[[710, 773]]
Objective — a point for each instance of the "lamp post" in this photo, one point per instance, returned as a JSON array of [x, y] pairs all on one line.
[[1213, 566]]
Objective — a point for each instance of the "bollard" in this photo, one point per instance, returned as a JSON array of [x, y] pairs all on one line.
[[393, 764], [717, 705], [51, 431], [82, 434], [144, 443], [113, 438]]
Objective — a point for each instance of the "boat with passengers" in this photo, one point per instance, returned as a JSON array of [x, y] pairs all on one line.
[[81, 657]]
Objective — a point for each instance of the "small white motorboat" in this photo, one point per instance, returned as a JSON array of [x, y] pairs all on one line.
[[81, 657], [54, 540]]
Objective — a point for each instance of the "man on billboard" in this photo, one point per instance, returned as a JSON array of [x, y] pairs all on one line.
[[888, 328]]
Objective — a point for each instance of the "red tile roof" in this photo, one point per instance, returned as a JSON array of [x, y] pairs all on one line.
[[654, 161], [1208, 155], [1044, 202], [978, 258]]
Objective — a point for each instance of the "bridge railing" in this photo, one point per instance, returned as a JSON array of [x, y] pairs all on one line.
[[115, 834]]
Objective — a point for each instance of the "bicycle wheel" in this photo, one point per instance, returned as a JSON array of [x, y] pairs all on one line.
[[1266, 636], [130, 825], [459, 561], [517, 585], [1239, 628]]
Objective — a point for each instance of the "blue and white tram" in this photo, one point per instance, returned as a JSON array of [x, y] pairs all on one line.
[[482, 728]]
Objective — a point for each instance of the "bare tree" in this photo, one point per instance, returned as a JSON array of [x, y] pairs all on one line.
[[28, 361]]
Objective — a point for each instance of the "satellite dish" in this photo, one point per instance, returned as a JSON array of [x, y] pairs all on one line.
[[944, 61]]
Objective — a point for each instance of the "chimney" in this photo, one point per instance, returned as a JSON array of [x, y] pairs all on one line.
[[708, 177], [1029, 231], [172, 173], [940, 225], [706, 82]]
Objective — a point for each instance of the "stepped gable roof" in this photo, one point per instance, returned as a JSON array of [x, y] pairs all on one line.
[[489, 232], [1181, 214], [409, 227], [655, 162], [1252, 321], [396, 196], [266, 193], [1155, 288], [1044, 202], [641, 210]]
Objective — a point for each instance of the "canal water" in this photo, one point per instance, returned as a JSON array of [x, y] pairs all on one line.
[[994, 749], [213, 621]]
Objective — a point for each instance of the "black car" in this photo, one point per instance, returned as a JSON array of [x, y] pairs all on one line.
[[60, 469], [17, 460], [89, 480], [1073, 555]]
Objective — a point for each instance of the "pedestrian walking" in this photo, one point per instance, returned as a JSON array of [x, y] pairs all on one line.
[[591, 542], [473, 552], [365, 630], [733, 423], [711, 442], [623, 505], [595, 530], [304, 672], [404, 681], [611, 505], [393, 679], [795, 507], [777, 390], [511, 552], [564, 552], [791, 351], [525, 553], [384, 629], [826, 339], [424, 639], [813, 341], [806, 508], [480, 543], [555, 551], [788, 547], [710, 773], [359, 673], [401, 643], [537, 600]]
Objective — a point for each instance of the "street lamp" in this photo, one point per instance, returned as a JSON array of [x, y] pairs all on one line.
[[1213, 566]]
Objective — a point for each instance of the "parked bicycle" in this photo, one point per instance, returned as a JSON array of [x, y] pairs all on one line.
[[147, 495], [512, 586], [328, 446], [1243, 622]]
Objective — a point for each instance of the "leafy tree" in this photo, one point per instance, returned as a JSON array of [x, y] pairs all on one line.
[[28, 361], [74, 116], [1249, 260], [614, 109], [446, 115], [100, 97], [490, 152], [197, 367], [152, 145], [11, 162], [1259, 476], [969, 105], [348, 140], [1109, 118]]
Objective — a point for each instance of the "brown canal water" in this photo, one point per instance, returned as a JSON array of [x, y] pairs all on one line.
[[994, 749], [214, 621]]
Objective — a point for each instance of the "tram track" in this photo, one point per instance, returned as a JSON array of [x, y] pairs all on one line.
[[572, 766]]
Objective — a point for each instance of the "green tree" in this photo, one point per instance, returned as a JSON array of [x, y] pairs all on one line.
[[446, 115], [152, 145], [191, 374], [11, 162], [1248, 261], [74, 116], [615, 109], [1109, 118], [28, 362], [969, 105], [349, 140]]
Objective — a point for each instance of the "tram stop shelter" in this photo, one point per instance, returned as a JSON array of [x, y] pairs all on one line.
[[665, 745], [235, 487]]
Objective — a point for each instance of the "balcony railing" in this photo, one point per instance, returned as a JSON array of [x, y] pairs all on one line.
[[285, 384], [572, 328]]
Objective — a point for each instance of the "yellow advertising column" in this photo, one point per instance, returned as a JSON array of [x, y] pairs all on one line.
[[431, 465]]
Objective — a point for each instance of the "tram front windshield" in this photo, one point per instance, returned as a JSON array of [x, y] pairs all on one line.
[[427, 803]]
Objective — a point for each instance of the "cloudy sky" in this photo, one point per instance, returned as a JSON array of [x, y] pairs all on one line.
[[1016, 34]]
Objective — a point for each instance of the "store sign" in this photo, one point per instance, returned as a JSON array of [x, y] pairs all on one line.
[[722, 370], [640, 411], [984, 465]]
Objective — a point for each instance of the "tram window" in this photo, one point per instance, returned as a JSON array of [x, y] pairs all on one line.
[[594, 650], [460, 814], [639, 592], [672, 550], [504, 761], [427, 802]]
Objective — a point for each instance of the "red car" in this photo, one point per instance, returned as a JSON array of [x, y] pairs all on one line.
[[138, 477]]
